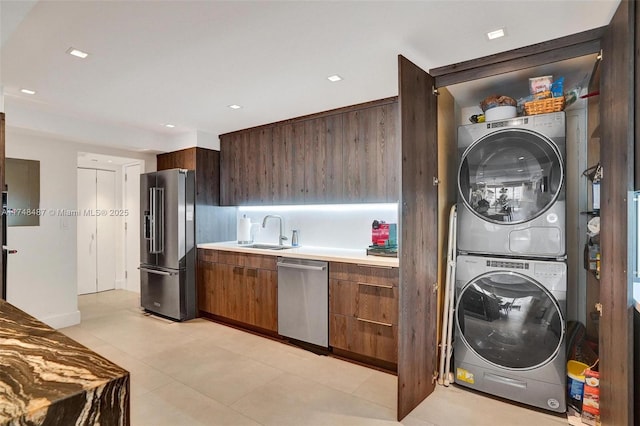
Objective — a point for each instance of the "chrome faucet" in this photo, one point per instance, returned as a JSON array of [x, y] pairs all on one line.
[[281, 237]]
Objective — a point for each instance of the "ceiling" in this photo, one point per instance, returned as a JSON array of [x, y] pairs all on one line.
[[184, 62]]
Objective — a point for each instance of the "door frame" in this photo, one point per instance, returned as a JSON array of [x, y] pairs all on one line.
[[131, 224]]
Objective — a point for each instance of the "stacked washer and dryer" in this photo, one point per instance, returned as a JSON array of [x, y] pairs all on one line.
[[511, 272]]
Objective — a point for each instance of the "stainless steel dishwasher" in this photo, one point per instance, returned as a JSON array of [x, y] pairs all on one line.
[[303, 300]]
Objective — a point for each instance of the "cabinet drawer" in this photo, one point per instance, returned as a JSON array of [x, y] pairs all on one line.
[[374, 302], [377, 303], [256, 261], [384, 275], [368, 338], [207, 255], [261, 262]]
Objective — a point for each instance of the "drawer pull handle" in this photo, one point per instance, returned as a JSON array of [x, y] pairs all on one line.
[[374, 266], [376, 285], [374, 322]]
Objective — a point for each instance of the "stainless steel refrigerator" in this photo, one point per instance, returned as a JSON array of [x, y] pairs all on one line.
[[167, 244]]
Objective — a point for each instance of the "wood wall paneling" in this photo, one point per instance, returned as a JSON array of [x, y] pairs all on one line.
[[417, 342], [617, 153]]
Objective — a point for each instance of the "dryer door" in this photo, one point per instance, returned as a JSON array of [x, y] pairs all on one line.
[[509, 320], [511, 175]]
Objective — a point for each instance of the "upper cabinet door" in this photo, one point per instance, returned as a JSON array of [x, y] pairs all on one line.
[[246, 167], [371, 154], [231, 179], [288, 163], [323, 166], [258, 164]]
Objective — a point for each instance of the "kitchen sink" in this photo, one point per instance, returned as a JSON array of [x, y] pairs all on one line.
[[267, 247]]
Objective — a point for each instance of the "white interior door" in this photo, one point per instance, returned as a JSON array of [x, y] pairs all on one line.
[[86, 231], [106, 229], [96, 230], [132, 226]]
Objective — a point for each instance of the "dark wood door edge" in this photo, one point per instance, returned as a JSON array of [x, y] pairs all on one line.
[[523, 52]]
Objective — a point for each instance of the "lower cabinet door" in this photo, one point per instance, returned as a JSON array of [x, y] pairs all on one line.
[[365, 337], [264, 299]]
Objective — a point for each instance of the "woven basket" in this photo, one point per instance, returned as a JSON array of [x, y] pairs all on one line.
[[544, 106]]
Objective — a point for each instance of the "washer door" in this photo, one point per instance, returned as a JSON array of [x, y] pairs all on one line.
[[511, 175], [509, 320]]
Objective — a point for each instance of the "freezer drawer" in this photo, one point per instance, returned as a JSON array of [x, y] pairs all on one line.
[[161, 292], [303, 300]]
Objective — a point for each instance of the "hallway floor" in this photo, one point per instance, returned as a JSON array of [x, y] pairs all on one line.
[[202, 373]]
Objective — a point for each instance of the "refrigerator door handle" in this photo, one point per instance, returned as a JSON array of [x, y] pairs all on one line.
[[156, 202], [157, 272]]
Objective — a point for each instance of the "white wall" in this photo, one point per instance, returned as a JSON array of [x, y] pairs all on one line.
[[337, 226], [41, 277]]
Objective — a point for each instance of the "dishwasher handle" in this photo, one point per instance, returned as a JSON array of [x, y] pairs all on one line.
[[298, 266]]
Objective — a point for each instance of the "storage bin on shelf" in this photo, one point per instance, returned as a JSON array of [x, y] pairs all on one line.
[[544, 106]]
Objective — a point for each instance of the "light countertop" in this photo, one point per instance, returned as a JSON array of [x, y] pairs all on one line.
[[329, 254]]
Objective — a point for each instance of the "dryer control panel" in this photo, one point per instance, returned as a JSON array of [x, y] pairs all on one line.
[[548, 270], [503, 264]]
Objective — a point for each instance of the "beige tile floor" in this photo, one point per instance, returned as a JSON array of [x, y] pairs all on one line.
[[202, 373]]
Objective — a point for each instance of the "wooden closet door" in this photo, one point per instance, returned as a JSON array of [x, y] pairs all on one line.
[[617, 86], [417, 334]]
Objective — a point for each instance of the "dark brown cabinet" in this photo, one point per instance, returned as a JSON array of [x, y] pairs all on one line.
[[363, 310], [246, 167], [239, 287], [218, 226], [288, 158], [348, 155], [323, 160], [371, 155]]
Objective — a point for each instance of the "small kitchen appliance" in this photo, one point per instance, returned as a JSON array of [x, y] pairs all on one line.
[[384, 234], [384, 239]]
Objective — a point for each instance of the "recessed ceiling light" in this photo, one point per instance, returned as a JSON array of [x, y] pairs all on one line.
[[234, 106], [334, 78], [77, 53], [171, 126], [492, 35], [28, 91]]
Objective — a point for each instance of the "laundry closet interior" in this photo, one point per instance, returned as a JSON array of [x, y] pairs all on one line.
[[537, 250]]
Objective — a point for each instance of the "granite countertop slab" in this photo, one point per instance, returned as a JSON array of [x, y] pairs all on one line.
[[47, 378], [310, 252]]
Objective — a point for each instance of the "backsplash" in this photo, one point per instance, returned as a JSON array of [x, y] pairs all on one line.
[[346, 226]]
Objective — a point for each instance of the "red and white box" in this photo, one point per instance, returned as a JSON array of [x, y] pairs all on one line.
[[591, 398]]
